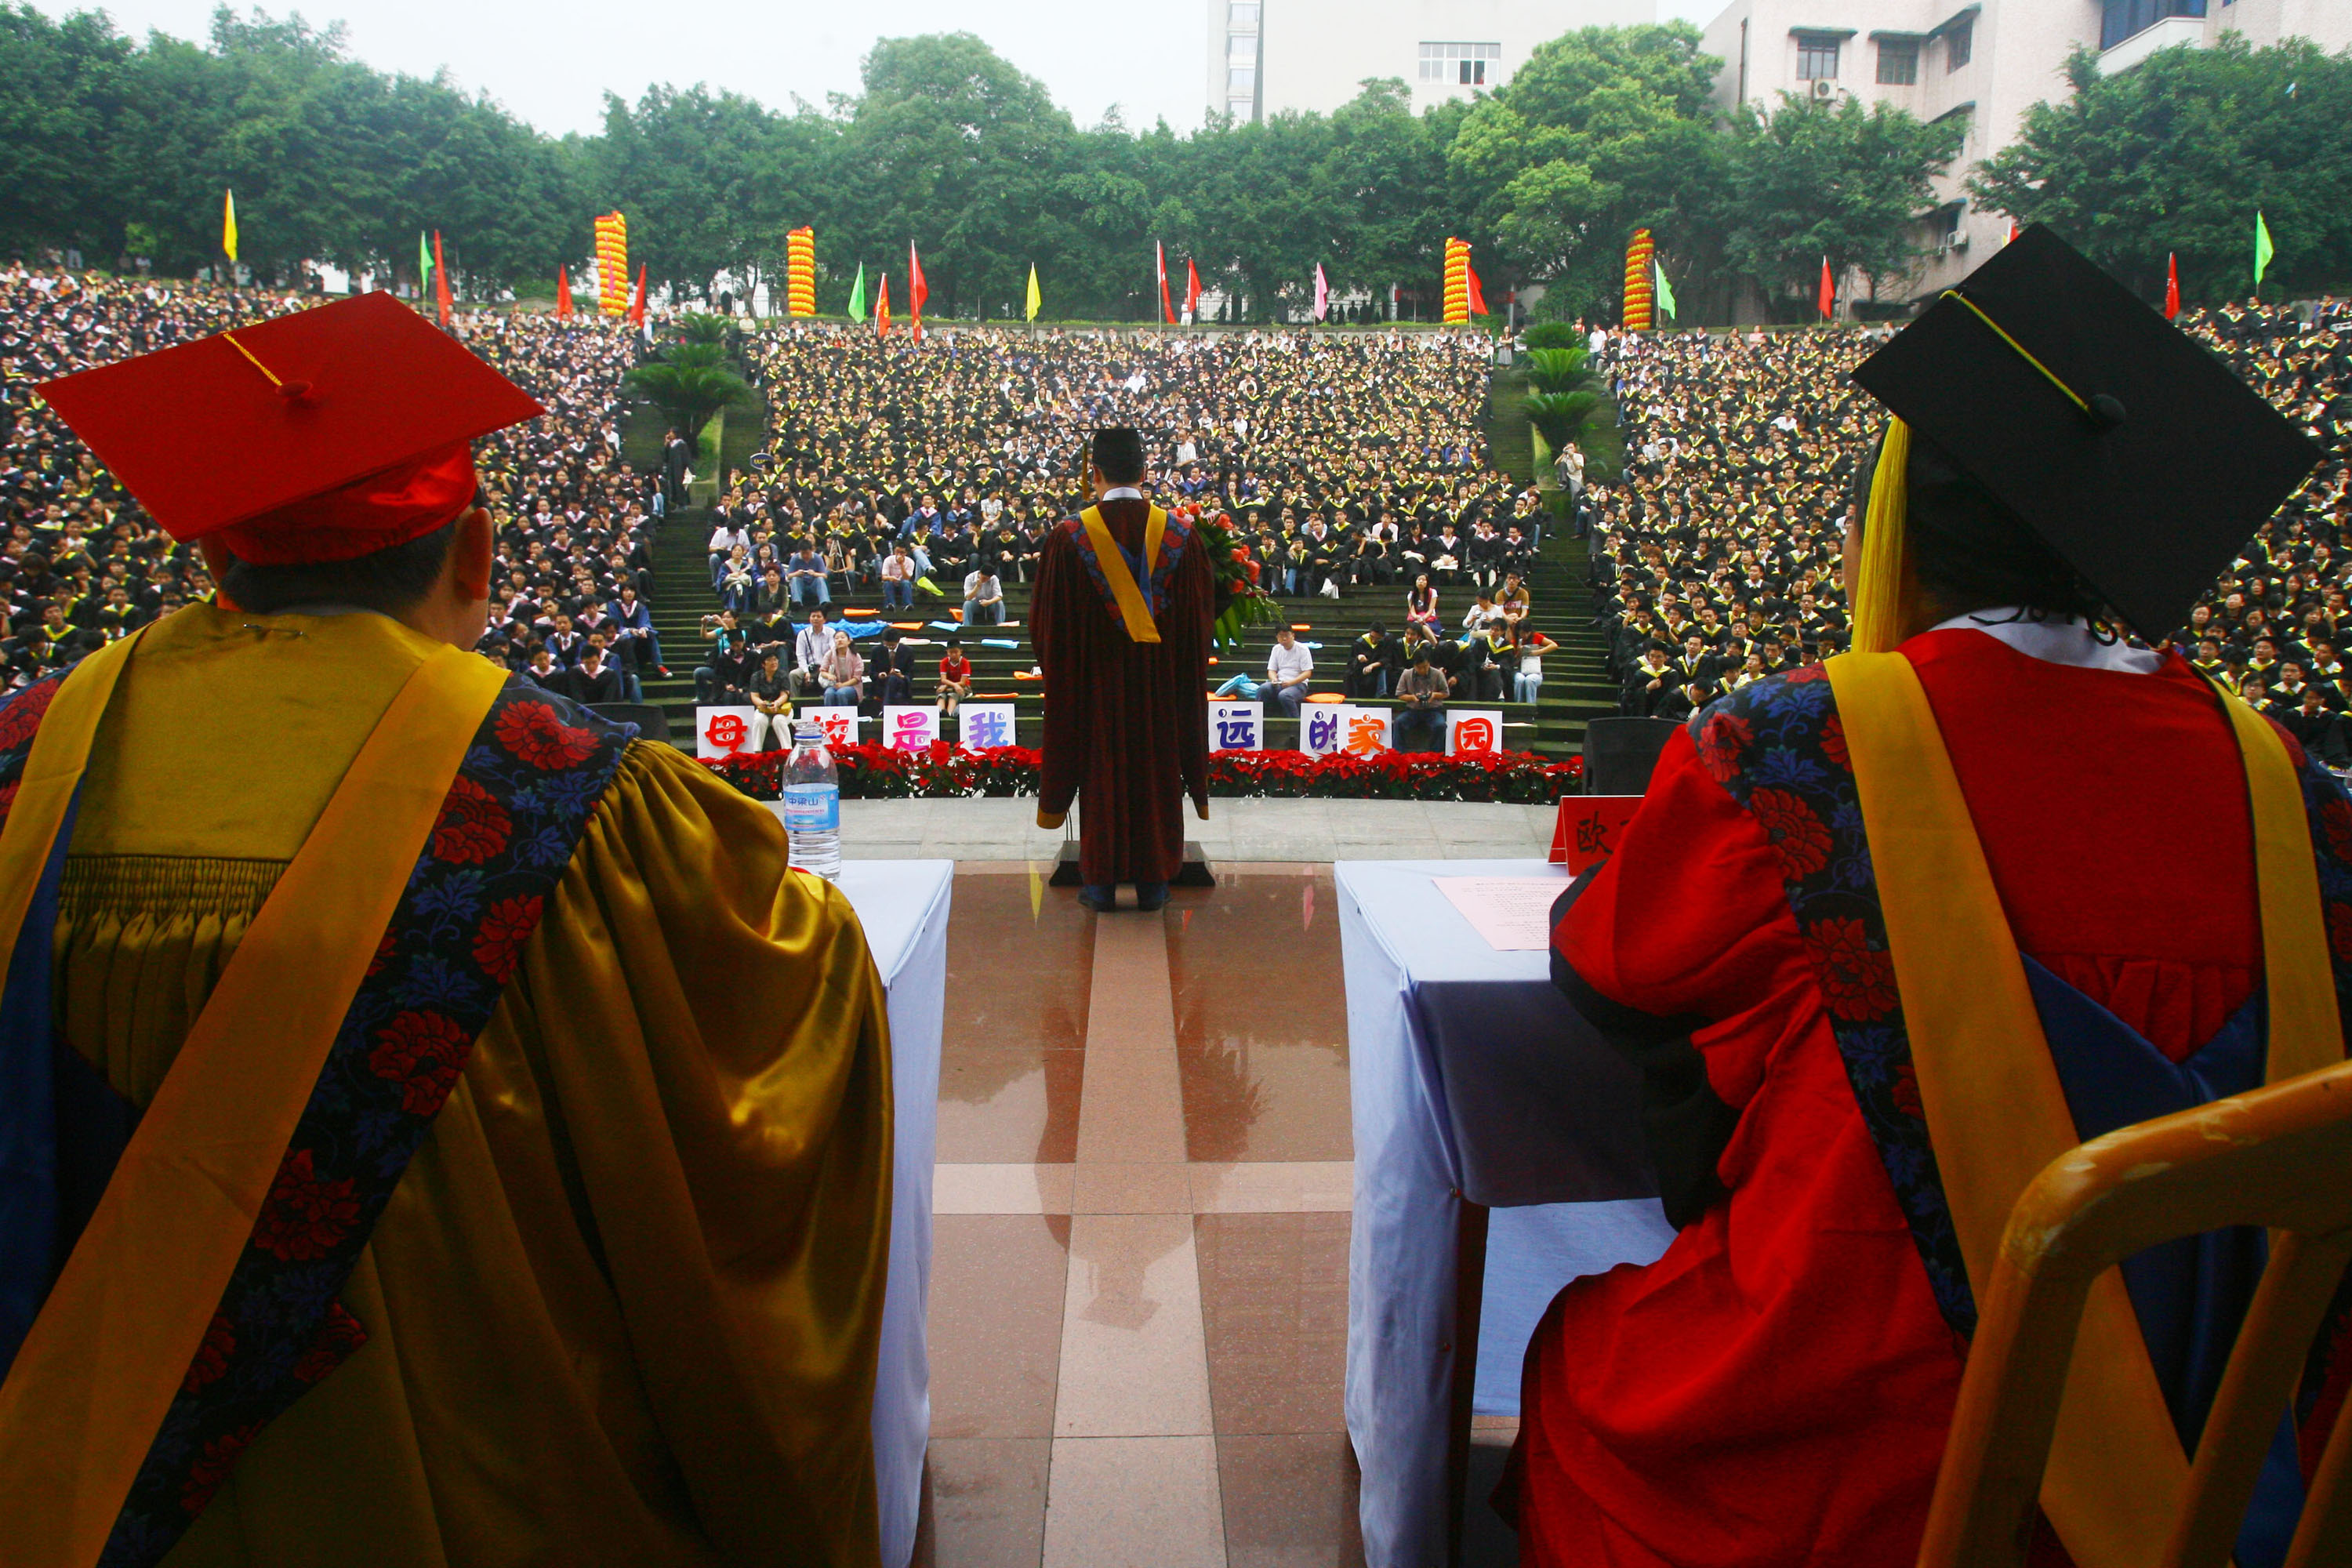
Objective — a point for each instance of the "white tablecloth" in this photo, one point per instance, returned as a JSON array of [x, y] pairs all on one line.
[[903, 905], [1470, 1078]]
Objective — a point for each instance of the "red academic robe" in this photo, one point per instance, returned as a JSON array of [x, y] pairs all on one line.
[[1127, 723], [1776, 1389]]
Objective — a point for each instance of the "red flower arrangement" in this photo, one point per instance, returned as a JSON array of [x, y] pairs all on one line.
[[870, 772]]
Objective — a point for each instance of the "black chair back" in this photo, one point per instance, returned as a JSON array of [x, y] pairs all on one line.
[[1620, 754], [652, 722]]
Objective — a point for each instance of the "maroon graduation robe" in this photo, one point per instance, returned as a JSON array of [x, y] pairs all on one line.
[[1127, 723]]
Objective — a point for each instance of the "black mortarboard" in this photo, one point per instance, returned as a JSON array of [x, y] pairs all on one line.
[[2132, 452]]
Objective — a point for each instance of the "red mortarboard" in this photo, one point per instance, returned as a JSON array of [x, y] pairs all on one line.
[[322, 436]]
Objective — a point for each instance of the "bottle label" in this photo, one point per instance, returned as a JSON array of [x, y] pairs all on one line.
[[812, 808]]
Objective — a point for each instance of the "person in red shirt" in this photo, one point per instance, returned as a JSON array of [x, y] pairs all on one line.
[[1775, 1391], [955, 678]]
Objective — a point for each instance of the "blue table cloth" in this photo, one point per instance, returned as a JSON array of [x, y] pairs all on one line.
[[1471, 1079], [903, 905]]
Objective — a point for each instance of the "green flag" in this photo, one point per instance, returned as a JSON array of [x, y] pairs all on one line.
[[857, 295], [1666, 292], [2263, 249], [424, 271]]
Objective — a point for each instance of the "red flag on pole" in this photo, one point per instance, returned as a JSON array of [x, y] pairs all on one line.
[[440, 279], [882, 308], [917, 289], [1191, 291], [2171, 286], [1829, 291], [562, 295], [1477, 294], [1160, 264], [637, 305]]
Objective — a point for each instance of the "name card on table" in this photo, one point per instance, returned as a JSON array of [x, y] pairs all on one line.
[[1472, 730], [839, 724], [909, 728], [984, 726], [1323, 728], [1236, 726], [1589, 827], [723, 732]]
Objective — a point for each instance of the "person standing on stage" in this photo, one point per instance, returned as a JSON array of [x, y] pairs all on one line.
[[1121, 620], [1892, 932], [440, 1129]]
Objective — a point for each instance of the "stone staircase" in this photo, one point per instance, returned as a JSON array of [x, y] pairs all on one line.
[[1576, 686]]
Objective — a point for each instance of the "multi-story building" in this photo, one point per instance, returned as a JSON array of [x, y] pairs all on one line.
[[1267, 56], [1983, 64]]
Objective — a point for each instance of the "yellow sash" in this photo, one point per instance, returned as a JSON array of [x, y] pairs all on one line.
[[1996, 1113], [108, 1351], [1113, 562]]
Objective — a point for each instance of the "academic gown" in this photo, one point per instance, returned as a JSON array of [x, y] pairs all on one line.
[[1775, 1391], [625, 1304], [1127, 727]]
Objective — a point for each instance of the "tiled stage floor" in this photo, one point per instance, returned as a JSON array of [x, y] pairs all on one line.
[[1140, 1287]]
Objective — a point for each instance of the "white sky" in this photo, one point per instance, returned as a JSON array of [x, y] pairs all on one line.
[[553, 64]]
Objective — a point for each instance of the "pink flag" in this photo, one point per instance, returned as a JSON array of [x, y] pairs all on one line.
[[1322, 293]]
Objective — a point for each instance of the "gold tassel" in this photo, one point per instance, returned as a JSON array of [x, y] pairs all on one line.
[[1878, 582]]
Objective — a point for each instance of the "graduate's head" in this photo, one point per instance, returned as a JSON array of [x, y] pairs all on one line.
[[350, 478], [2015, 472], [1117, 455]]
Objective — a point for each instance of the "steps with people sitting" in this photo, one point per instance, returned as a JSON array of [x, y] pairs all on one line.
[[1576, 684]]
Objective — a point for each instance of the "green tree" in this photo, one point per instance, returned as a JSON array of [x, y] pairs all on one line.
[[61, 87], [1603, 131], [1815, 179], [1570, 404], [2176, 155]]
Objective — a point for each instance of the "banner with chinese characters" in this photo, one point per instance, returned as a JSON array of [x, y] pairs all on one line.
[[1323, 728], [984, 726], [839, 724], [1473, 729], [909, 728], [1236, 726], [723, 732], [1368, 732]]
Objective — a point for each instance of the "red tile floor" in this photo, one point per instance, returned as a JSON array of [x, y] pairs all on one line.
[[1138, 1314]]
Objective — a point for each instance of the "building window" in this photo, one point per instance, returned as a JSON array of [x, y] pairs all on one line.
[[1959, 44], [1898, 62], [1241, 48], [1816, 57], [1239, 107], [1242, 78], [1241, 16], [2121, 19], [1462, 65]]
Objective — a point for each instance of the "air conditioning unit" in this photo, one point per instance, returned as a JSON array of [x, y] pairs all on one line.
[[1824, 88]]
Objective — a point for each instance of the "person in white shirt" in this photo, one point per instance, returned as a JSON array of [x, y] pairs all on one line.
[[898, 580], [809, 649], [1288, 668], [983, 597], [723, 540]]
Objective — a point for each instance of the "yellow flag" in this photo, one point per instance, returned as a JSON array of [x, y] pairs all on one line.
[[228, 224], [1036, 299]]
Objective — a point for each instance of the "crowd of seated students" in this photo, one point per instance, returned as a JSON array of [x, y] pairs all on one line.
[[570, 602], [83, 564], [929, 475], [1716, 558]]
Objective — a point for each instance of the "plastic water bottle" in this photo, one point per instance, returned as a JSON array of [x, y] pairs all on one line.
[[812, 804]]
